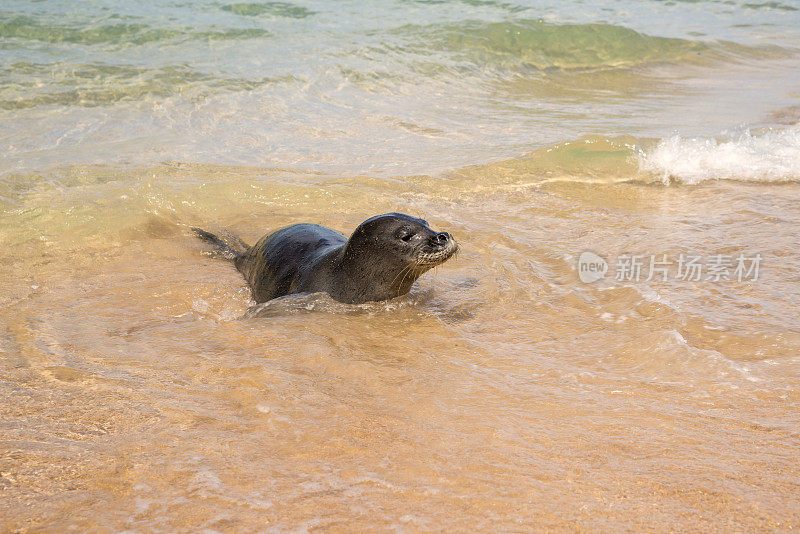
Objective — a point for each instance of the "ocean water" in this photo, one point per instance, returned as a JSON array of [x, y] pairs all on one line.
[[396, 87], [142, 392]]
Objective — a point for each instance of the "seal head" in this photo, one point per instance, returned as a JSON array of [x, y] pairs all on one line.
[[389, 252]]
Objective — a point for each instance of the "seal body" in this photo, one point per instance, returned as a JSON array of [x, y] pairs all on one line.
[[381, 260]]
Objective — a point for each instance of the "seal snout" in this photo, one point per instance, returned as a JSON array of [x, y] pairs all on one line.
[[439, 247]]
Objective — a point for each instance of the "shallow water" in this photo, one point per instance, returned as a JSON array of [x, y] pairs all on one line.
[[141, 390]]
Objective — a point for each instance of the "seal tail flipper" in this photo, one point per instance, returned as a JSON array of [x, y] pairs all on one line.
[[230, 248]]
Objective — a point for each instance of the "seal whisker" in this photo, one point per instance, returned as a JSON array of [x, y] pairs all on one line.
[[411, 269], [402, 271], [402, 275], [416, 267]]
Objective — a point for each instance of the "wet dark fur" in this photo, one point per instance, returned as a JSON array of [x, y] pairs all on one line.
[[382, 259]]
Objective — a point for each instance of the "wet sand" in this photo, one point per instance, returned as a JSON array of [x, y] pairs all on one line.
[[502, 394]]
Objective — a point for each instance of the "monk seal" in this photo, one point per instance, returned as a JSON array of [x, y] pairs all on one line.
[[381, 260]]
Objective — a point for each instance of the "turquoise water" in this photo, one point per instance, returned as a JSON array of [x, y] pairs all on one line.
[[397, 87]]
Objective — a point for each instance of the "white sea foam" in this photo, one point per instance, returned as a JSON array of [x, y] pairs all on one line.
[[772, 156]]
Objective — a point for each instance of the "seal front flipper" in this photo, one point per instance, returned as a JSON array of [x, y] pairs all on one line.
[[230, 248]]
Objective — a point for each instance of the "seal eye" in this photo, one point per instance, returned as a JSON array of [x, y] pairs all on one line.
[[405, 234]]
